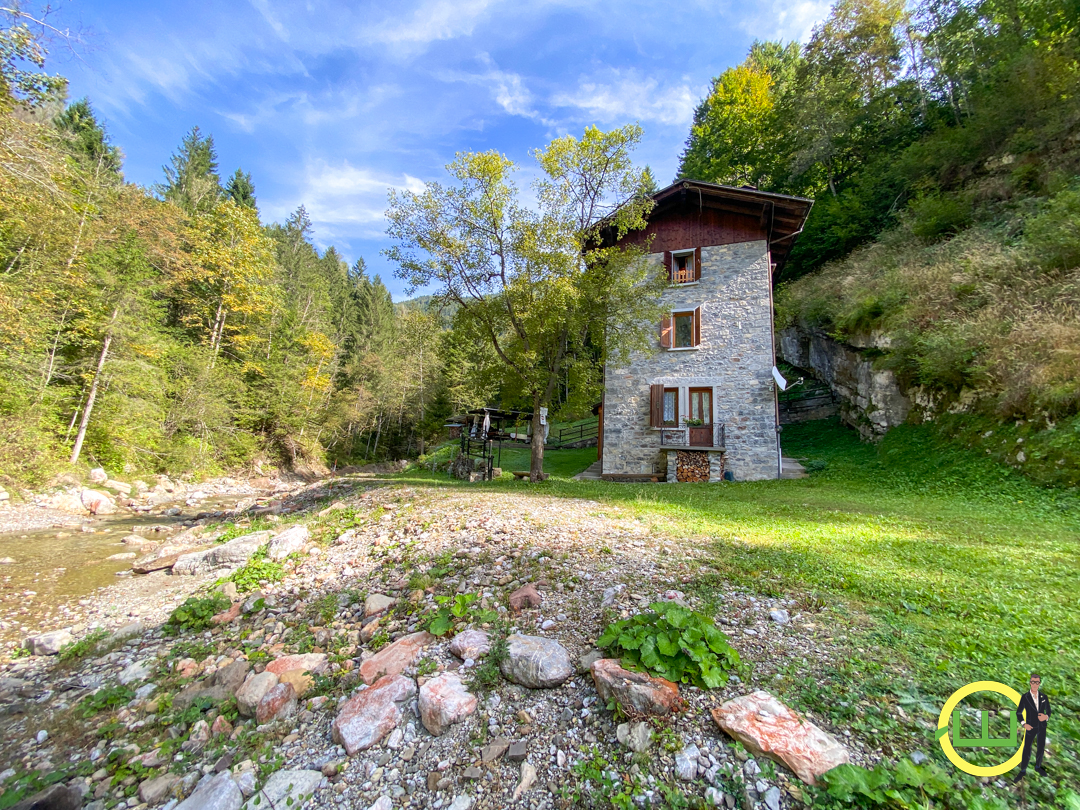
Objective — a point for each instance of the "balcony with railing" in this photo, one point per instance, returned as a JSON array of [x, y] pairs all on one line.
[[693, 437]]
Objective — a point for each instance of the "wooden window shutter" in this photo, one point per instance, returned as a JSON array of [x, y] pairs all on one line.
[[667, 264], [665, 332], [697, 326], [697, 264], [656, 405]]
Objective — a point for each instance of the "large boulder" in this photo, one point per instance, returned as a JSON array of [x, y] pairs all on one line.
[[286, 789], [48, 643], [444, 700], [290, 541], [396, 657], [227, 555], [536, 662], [635, 692], [252, 691], [97, 502], [315, 663], [217, 792], [766, 727], [371, 714], [472, 644]]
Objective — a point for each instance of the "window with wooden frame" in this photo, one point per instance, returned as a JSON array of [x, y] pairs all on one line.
[[683, 266], [681, 330], [663, 406]]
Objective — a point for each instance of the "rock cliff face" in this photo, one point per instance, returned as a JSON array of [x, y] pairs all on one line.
[[871, 400]]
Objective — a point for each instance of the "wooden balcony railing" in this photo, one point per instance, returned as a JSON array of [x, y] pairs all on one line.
[[688, 436]]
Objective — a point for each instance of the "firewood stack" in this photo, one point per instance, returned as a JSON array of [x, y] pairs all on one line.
[[691, 466]]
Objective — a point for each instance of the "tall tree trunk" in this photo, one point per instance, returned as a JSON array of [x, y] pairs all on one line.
[[92, 396], [47, 375], [536, 460]]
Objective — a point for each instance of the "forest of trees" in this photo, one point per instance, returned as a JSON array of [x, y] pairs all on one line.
[[168, 329]]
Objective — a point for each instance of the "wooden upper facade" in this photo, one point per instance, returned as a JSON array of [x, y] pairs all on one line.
[[690, 213]]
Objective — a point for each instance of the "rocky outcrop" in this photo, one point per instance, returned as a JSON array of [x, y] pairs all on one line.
[[870, 398]]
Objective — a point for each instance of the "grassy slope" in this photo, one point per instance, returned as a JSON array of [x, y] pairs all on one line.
[[949, 567]]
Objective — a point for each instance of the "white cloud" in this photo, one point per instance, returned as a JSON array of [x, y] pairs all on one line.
[[507, 89], [343, 198], [625, 95], [787, 21], [430, 22]]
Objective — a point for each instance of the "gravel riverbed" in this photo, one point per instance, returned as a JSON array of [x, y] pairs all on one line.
[[589, 563]]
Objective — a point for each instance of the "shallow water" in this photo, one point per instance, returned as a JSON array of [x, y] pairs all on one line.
[[59, 566]]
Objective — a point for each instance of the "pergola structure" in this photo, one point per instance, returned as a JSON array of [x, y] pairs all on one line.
[[483, 431]]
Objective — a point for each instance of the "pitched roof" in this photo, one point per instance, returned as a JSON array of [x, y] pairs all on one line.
[[782, 215]]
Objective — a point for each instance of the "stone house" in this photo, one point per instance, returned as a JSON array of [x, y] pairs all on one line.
[[702, 406]]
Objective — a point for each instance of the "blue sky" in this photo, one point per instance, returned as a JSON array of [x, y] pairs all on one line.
[[328, 104]]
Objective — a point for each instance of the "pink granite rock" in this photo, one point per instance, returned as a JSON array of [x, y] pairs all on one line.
[[444, 700], [767, 727], [372, 713], [230, 615], [315, 663], [525, 597], [221, 726], [254, 690], [635, 692], [279, 702], [394, 658]]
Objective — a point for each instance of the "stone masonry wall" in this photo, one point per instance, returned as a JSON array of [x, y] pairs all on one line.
[[735, 358]]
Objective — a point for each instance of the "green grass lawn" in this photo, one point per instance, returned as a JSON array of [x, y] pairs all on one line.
[[949, 567]]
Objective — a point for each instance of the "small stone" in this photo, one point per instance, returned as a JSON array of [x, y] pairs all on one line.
[[918, 757], [395, 658], [48, 643], [253, 690], [444, 700], [42, 736], [377, 603], [636, 736], [290, 789], [382, 803], [139, 671], [536, 662], [460, 803], [525, 597], [154, 791], [518, 750], [472, 772], [218, 792], [472, 644], [686, 763], [636, 692], [494, 750], [779, 616], [315, 663], [528, 779], [290, 541], [372, 713], [300, 681]]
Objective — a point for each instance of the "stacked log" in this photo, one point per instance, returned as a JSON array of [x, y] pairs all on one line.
[[692, 466]]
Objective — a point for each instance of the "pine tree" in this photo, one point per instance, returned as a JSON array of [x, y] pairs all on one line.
[[191, 179], [241, 190], [87, 138]]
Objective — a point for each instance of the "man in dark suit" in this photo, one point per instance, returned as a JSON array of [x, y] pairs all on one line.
[[1033, 712]]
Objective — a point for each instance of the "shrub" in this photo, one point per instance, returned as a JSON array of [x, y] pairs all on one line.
[[257, 569], [196, 612], [85, 646], [672, 642]]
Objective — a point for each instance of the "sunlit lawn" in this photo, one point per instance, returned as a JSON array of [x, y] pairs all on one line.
[[959, 569]]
